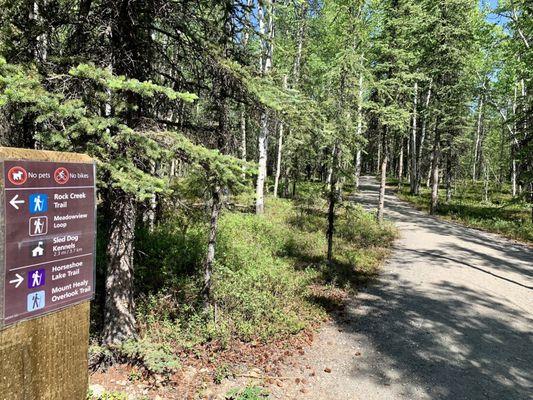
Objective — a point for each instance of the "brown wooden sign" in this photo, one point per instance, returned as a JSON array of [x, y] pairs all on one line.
[[45, 358], [49, 236]]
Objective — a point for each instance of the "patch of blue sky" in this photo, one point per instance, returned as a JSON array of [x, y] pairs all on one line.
[[493, 17]]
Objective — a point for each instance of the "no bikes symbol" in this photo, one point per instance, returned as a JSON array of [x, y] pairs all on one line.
[[61, 175], [18, 175]]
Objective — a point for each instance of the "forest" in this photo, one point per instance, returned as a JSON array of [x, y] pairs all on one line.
[[231, 137]]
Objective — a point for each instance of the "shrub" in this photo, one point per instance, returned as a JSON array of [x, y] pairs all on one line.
[[265, 270], [247, 393], [108, 396], [259, 292], [358, 226], [155, 358]]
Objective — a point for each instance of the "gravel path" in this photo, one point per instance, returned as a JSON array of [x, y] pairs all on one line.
[[450, 318]]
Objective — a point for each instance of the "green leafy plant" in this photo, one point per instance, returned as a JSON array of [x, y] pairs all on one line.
[[156, 358], [247, 393], [108, 396]]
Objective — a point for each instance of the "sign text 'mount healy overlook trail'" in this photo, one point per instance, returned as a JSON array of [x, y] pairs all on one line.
[[47, 268], [49, 236], [260, 199]]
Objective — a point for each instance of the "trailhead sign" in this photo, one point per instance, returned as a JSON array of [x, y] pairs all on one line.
[[49, 237]]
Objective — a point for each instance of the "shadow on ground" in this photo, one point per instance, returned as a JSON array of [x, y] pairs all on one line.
[[400, 211], [445, 347], [445, 339]]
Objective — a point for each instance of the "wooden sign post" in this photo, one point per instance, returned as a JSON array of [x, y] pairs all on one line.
[[47, 253]]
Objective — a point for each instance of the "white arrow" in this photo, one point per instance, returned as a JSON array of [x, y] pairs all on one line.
[[15, 202], [18, 281]]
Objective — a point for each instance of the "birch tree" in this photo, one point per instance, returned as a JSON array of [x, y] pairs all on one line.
[[266, 36]]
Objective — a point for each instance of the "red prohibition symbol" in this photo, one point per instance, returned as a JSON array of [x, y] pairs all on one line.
[[17, 176], [61, 175]]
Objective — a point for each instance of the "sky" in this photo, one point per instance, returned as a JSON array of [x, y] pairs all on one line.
[[494, 18]]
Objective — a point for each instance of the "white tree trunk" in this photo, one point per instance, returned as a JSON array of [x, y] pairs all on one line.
[[359, 130], [262, 39], [379, 153], [211, 245], [513, 178], [478, 137], [357, 168], [400, 165], [435, 173], [329, 178], [243, 134], [524, 104], [245, 39], [278, 161], [266, 64], [41, 47], [414, 164], [382, 187], [153, 203], [422, 140], [261, 176]]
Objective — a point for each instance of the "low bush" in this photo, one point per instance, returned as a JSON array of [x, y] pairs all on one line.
[[502, 214], [357, 226], [108, 396], [247, 393], [266, 272]]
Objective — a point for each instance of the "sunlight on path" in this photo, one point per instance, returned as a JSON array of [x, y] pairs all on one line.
[[450, 318]]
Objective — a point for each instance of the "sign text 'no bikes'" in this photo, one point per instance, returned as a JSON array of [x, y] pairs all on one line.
[[49, 236]]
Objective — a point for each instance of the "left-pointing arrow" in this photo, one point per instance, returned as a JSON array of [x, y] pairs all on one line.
[[17, 281], [15, 202]]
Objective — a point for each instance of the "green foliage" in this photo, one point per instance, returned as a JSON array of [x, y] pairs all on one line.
[[216, 168], [172, 251], [289, 104], [502, 214], [265, 267], [247, 393], [120, 83], [358, 226], [258, 289], [258, 294], [222, 372], [155, 358], [108, 396], [121, 150]]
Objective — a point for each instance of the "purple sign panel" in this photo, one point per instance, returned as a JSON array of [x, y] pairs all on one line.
[[49, 231]]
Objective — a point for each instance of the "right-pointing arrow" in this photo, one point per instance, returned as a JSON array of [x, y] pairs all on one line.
[[15, 202], [17, 281]]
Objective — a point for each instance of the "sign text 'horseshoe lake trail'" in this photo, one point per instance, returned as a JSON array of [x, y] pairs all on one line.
[[49, 237]]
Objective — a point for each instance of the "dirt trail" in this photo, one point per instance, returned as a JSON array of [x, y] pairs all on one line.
[[450, 318]]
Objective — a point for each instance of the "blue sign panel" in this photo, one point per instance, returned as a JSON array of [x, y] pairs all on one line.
[[38, 203]]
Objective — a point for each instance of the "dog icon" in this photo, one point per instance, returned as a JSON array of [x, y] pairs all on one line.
[[17, 176]]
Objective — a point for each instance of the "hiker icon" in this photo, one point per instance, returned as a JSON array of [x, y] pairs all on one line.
[[35, 301], [38, 226], [38, 203], [36, 278]]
